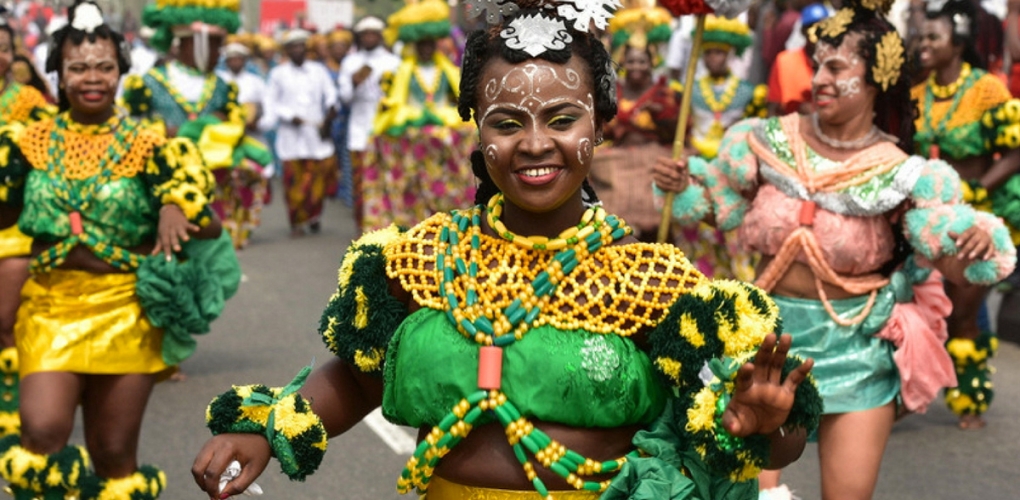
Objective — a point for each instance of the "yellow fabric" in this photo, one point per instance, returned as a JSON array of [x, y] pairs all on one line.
[[82, 322], [441, 489], [14, 243], [217, 143], [397, 107], [81, 148], [21, 107], [986, 93]]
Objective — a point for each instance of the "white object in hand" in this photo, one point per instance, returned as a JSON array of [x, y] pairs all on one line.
[[234, 470]]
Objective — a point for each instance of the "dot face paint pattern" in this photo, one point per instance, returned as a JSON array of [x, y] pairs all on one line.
[[825, 54]]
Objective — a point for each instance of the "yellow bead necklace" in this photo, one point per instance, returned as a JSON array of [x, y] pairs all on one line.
[[592, 218], [947, 91]]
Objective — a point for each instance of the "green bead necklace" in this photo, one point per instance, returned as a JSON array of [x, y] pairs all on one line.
[[495, 333]]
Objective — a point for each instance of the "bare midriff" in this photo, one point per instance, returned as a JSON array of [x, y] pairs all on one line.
[[485, 459], [81, 259], [799, 282]]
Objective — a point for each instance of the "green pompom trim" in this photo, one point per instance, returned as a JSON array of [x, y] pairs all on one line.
[[430, 30], [658, 34], [1006, 201], [974, 393], [362, 316], [740, 43], [148, 482], [298, 441], [60, 476], [164, 19]]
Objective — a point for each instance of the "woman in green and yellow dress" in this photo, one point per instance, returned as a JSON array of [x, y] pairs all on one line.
[[104, 199], [577, 362], [967, 117], [18, 104]]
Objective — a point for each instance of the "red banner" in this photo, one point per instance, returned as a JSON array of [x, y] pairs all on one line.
[[279, 13]]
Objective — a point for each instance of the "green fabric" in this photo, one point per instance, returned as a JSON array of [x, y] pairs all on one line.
[[164, 19], [1006, 201], [13, 169], [854, 370], [583, 379], [123, 212], [252, 150], [161, 103], [431, 30], [658, 476], [184, 296]]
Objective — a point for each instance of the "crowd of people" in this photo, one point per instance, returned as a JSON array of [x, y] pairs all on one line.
[[845, 196]]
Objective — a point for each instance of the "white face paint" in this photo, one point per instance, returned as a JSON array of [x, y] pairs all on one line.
[[531, 89], [91, 55], [843, 60], [537, 126]]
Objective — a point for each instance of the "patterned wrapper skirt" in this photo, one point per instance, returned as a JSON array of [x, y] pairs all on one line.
[[14, 243], [406, 179], [82, 322]]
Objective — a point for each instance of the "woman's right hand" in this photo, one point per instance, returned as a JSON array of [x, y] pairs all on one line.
[[252, 451], [671, 175]]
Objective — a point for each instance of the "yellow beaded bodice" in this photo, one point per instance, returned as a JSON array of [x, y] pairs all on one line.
[[84, 146], [646, 279]]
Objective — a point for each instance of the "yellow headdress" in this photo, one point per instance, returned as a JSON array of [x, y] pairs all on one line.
[[418, 20], [639, 23], [724, 33], [164, 15]]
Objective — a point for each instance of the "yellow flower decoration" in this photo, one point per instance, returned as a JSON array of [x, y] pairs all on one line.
[[835, 25], [889, 60]]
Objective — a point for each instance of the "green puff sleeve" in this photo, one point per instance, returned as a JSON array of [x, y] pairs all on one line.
[[136, 97], [1000, 127], [176, 175], [362, 316], [707, 335], [13, 166]]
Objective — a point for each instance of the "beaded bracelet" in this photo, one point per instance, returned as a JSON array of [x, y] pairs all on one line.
[[295, 433]]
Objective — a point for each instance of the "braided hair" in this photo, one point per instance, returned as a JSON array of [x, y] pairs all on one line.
[[75, 36], [962, 18], [485, 45], [894, 109]]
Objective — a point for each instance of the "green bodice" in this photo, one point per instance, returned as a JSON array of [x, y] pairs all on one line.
[[123, 212], [574, 377]]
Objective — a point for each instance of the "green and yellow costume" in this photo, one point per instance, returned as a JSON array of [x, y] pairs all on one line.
[[567, 349], [18, 104], [974, 116], [99, 187]]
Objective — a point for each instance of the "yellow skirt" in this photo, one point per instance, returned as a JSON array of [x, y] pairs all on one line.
[[82, 322], [14, 243], [441, 489]]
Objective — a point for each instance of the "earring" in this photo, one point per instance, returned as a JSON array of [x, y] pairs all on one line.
[[599, 140]]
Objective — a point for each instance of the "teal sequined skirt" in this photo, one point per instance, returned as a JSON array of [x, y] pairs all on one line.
[[854, 370]]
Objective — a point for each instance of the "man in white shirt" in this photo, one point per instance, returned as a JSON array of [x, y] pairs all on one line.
[[358, 82], [301, 101], [251, 89]]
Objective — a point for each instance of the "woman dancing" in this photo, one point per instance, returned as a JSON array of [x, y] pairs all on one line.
[[577, 362], [855, 235], [97, 193]]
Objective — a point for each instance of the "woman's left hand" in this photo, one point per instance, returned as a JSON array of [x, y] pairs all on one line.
[[173, 229], [762, 400]]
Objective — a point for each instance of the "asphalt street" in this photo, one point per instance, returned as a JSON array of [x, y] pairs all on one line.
[[269, 331]]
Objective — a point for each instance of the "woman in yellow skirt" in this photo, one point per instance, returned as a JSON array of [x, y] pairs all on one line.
[[97, 193], [18, 104]]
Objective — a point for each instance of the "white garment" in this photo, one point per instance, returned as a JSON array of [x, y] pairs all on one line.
[[364, 99], [185, 82], [306, 92], [142, 59], [250, 88], [40, 54]]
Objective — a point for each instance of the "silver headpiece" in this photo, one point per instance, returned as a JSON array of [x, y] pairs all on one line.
[[961, 24], [546, 29]]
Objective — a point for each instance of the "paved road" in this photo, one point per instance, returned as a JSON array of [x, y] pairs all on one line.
[[268, 333]]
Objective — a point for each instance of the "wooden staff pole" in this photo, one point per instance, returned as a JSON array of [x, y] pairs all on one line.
[[681, 125]]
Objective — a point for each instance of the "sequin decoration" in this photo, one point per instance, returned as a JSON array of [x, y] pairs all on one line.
[[599, 359], [494, 10]]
